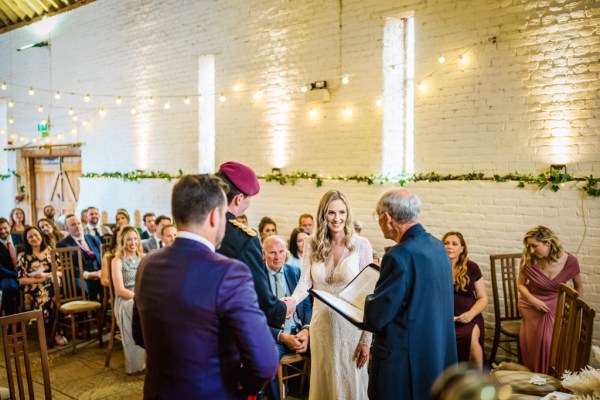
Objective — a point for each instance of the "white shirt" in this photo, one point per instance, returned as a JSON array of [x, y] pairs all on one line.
[[197, 238]]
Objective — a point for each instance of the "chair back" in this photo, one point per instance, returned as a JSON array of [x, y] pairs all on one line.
[[583, 330], [73, 287], [560, 348], [17, 354], [504, 290]]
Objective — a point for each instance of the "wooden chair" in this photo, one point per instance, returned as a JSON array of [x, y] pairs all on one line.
[[113, 323], [17, 354], [287, 362], [70, 298], [570, 348], [506, 310]]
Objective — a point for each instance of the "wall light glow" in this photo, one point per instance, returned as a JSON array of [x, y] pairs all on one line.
[[43, 27]]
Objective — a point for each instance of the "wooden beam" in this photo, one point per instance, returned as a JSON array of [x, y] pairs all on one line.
[[8, 12], [4, 18], [16, 9], [56, 6], [42, 5], [19, 24], [35, 7], [25, 8]]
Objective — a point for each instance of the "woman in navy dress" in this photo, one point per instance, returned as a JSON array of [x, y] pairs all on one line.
[[470, 299]]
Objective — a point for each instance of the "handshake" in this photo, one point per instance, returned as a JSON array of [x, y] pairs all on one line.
[[290, 303]]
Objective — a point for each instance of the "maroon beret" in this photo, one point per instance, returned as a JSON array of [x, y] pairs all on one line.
[[241, 176]]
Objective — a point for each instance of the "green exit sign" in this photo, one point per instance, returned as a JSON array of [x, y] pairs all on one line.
[[42, 128]]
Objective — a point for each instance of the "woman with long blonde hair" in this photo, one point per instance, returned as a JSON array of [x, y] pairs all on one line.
[[470, 299], [332, 257], [128, 254], [544, 266]]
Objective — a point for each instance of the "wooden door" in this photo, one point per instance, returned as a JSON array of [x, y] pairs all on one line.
[[56, 182]]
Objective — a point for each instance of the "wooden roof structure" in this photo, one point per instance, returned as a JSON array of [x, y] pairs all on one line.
[[18, 13]]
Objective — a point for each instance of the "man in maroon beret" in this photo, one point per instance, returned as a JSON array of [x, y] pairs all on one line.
[[241, 242]]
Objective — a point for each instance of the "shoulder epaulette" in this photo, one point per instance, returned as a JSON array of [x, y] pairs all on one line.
[[237, 224]]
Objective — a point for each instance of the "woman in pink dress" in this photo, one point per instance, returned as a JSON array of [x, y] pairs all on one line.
[[544, 267]]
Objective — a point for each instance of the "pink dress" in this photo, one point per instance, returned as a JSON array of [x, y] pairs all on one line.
[[536, 326]]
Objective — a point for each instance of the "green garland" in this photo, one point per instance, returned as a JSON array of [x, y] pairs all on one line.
[[9, 175], [551, 178]]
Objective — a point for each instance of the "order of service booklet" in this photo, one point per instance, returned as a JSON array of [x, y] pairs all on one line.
[[350, 302]]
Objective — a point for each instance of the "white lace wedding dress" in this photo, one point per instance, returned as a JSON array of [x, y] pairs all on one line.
[[333, 340]]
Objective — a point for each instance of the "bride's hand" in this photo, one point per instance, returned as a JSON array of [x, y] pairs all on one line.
[[361, 355]]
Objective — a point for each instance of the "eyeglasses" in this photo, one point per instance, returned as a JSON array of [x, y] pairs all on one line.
[[375, 215]]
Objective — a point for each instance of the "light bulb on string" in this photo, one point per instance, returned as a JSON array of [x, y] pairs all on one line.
[[222, 99], [463, 58], [167, 105], [11, 120], [186, 100], [86, 98], [378, 102], [133, 111], [312, 112], [258, 95], [41, 108], [151, 101], [73, 131], [11, 103], [303, 89], [442, 59], [345, 79], [4, 86], [31, 91], [85, 123], [60, 136], [71, 112], [57, 95], [75, 118], [47, 140], [118, 100], [347, 111], [34, 140], [421, 86], [102, 111], [236, 87]]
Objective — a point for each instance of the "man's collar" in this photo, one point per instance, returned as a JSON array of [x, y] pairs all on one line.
[[197, 238]]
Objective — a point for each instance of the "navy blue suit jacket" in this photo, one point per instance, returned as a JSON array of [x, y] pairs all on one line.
[[8, 282], [95, 246], [196, 313], [303, 313], [239, 245], [412, 315]]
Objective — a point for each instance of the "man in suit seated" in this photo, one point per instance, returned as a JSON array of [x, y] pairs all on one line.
[[150, 224], [283, 279], [204, 335], [155, 242], [93, 226], [8, 274], [90, 246]]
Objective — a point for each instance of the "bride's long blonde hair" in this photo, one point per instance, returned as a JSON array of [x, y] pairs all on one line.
[[321, 240]]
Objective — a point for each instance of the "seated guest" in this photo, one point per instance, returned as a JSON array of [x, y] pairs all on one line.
[[122, 217], [34, 270], [470, 299], [307, 222], [149, 222], [8, 275], [155, 242], [90, 255], [242, 219], [94, 227], [124, 266], [169, 233], [17, 225], [297, 246], [266, 228], [50, 213], [283, 278], [51, 233], [84, 219]]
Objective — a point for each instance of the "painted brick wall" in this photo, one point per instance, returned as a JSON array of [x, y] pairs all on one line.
[[526, 98]]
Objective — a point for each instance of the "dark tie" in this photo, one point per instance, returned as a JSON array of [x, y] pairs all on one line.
[[96, 232], [160, 244], [13, 254], [280, 292]]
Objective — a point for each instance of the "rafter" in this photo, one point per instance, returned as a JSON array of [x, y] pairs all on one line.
[[9, 13], [16, 9]]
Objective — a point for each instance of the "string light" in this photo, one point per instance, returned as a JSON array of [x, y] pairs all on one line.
[[442, 59], [73, 131], [378, 102], [167, 105], [85, 123], [57, 95], [71, 112], [151, 101], [186, 100], [312, 112], [345, 79], [133, 111], [258, 95], [463, 58], [4, 86], [75, 118], [86, 98], [102, 111], [34, 140], [303, 89], [11, 103], [41, 108], [347, 111], [222, 99], [118, 100], [236, 88], [421, 86], [11, 120], [31, 91], [60, 136]]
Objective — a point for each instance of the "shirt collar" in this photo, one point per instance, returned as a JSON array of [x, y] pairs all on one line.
[[197, 238]]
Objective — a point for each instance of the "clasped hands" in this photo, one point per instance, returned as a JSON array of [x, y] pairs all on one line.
[[297, 342]]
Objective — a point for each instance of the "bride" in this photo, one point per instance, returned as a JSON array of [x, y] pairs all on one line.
[[332, 257]]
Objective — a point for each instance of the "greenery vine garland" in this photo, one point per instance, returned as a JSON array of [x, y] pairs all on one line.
[[551, 178]]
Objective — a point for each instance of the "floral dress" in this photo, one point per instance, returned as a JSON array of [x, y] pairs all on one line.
[[42, 292]]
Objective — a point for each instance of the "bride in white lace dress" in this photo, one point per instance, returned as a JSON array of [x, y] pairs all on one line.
[[332, 257]]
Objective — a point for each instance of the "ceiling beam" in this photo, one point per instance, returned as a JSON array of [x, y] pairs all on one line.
[[9, 12], [16, 9], [4, 18], [35, 7], [18, 24]]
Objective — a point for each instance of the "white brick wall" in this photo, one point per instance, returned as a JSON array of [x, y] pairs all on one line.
[[529, 100]]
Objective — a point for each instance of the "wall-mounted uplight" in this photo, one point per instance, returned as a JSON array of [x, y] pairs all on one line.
[[560, 168]]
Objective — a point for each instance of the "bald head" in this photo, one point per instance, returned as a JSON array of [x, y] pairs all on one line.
[[274, 252]]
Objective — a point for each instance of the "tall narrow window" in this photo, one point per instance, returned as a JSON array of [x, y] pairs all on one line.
[[206, 114], [398, 96]]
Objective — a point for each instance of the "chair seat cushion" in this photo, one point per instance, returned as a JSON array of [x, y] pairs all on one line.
[[79, 306], [519, 381], [511, 327], [291, 358]]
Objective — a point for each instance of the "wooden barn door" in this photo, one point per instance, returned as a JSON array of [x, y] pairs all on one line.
[[57, 183]]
